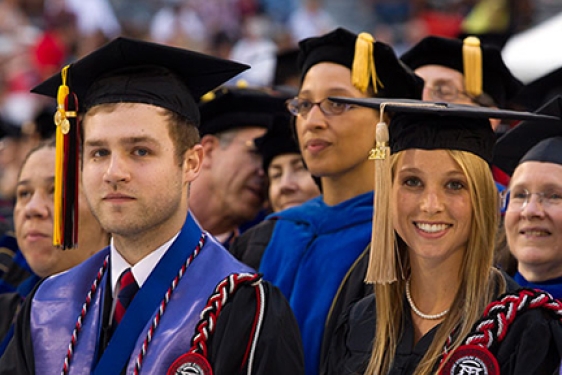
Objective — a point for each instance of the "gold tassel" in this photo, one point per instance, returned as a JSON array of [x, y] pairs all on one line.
[[61, 123], [472, 65], [363, 71], [382, 260]]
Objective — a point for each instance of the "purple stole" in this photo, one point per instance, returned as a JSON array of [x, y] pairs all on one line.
[[59, 300]]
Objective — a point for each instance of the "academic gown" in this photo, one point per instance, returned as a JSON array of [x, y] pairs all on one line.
[[278, 349], [311, 250], [532, 346], [553, 286]]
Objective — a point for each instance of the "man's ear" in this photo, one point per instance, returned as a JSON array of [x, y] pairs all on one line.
[[193, 160], [209, 144]]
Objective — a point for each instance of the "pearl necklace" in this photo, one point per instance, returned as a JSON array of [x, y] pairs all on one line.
[[417, 311]]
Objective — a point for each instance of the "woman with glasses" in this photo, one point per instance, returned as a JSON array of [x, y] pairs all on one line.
[[439, 306], [533, 202], [311, 248]]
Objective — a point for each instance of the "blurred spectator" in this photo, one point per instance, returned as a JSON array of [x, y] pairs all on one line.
[[310, 19], [221, 45], [279, 10], [95, 19], [257, 49], [219, 15], [16, 140], [54, 47], [178, 24]]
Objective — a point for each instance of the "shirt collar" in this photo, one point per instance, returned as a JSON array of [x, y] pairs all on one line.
[[142, 269]]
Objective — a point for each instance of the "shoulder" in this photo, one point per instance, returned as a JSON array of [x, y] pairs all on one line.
[[250, 246]]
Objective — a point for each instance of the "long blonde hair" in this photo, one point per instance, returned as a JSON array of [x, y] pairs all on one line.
[[479, 282]]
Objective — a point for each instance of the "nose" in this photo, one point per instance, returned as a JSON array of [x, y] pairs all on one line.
[[116, 170], [287, 183], [39, 205], [431, 202], [314, 119], [533, 207]]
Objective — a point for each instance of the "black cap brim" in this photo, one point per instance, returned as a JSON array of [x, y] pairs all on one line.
[[445, 109], [425, 125]]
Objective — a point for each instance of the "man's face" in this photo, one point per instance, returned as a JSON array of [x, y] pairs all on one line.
[[132, 179], [443, 84], [238, 179]]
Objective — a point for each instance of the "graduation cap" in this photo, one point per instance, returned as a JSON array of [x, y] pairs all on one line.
[[372, 63], [541, 90], [286, 68], [122, 71], [279, 140], [135, 71], [424, 125], [9, 128], [236, 107], [532, 140], [482, 66]]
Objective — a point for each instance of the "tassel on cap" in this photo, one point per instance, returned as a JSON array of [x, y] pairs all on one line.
[[65, 220], [363, 70], [472, 65], [382, 260]]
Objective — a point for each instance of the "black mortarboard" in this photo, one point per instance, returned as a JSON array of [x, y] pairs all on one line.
[[236, 107], [128, 70], [286, 67], [488, 71], [423, 125], [428, 125], [279, 140], [532, 140], [9, 129], [541, 90], [370, 61]]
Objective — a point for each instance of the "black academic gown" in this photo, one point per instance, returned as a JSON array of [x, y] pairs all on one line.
[[279, 348], [533, 345]]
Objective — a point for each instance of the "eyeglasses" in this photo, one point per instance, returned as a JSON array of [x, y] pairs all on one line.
[[516, 200], [446, 92], [449, 93], [301, 107]]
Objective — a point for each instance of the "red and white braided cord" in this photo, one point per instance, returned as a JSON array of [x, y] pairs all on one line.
[[164, 304], [499, 315], [83, 312], [215, 303]]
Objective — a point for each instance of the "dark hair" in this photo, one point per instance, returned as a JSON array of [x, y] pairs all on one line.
[[183, 132], [47, 143]]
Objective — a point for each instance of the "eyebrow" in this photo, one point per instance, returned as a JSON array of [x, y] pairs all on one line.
[[450, 173], [124, 141], [48, 180]]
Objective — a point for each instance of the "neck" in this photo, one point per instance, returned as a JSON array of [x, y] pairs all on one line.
[[133, 247], [209, 212], [540, 273], [350, 184]]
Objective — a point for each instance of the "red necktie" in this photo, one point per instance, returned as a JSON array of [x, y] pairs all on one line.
[[128, 289]]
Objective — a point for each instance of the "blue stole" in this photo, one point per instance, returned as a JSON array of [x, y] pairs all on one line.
[[311, 249], [59, 300], [147, 299], [553, 286]]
